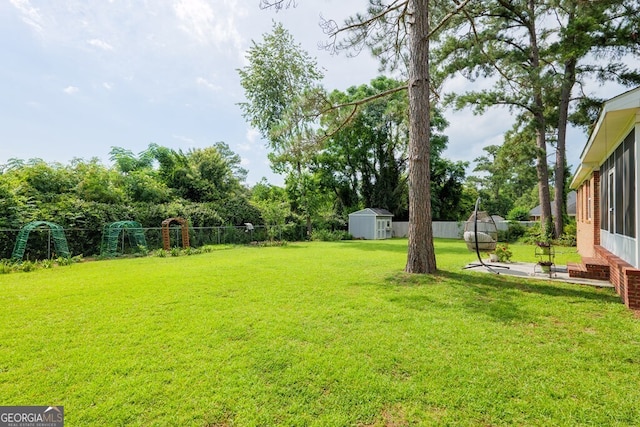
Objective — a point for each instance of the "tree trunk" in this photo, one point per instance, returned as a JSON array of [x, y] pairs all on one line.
[[421, 254], [543, 180], [568, 81], [541, 141], [303, 192]]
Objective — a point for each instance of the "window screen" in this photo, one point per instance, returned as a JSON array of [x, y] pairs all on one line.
[[629, 209], [618, 198], [604, 194], [618, 189]]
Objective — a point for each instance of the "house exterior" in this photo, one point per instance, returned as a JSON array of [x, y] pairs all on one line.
[[608, 206], [371, 224], [536, 213]]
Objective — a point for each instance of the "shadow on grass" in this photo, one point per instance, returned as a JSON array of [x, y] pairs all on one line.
[[497, 297], [399, 245], [529, 285], [454, 294], [376, 245]]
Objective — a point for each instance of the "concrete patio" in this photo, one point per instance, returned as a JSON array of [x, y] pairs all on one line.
[[533, 271]]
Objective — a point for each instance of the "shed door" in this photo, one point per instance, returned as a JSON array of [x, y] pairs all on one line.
[[381, 228]]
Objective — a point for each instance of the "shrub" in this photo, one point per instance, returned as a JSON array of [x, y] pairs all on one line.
[[346, 235], [518, 213], [27, 266], [191, 251], [269, 243], [534, 234], [503, 252], [64, 261], [328, 235], [46, 263], [513, 233], [569, 236], [6, 266]]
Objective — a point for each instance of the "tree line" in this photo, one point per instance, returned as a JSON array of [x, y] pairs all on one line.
[[203, 185], [208, 185]]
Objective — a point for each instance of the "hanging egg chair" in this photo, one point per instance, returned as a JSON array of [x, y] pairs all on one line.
[[485, 235], [481, 234]]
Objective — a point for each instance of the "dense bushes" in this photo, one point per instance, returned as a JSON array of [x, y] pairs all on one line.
[[330, 236], [513, 233], [202, 185], [534, 234], [518, 213]]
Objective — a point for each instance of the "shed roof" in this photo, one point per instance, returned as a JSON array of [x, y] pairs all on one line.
[[372, 212]]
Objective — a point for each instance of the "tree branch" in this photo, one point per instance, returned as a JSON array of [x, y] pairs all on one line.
[[448, 17], [277, 4], [355, 107], [335, 30]]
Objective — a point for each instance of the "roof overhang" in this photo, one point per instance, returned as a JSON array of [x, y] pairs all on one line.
[[617, 116]]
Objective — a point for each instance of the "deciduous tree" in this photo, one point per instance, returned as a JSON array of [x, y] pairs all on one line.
[[279, 74], [399, 33]]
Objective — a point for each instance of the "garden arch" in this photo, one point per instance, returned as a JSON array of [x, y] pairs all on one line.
[[111, 233], [57, 232], [166, 238]]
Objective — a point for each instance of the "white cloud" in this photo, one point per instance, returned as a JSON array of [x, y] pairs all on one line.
[[244, 162], [253, 138], [252, 135], [107, 85], [30, 15], [201, 81], [198, 19], [70, 90], [100, 44]]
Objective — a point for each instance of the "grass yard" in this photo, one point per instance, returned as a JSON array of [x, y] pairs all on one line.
[[325, 334]]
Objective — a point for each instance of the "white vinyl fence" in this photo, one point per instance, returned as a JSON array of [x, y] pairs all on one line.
[[448, 229]]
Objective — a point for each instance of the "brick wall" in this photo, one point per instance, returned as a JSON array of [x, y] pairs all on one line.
[[633, 288], [588, 229], [623, 276]]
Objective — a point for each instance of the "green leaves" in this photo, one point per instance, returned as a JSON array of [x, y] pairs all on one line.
[[86, 195], [278, 73]]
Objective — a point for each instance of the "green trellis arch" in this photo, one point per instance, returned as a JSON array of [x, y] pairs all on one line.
[[111, 233], [57, 233]]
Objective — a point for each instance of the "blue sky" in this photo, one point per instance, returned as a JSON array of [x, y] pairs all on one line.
[[81, 76]]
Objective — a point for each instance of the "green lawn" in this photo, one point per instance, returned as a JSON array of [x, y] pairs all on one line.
[[326, 334]]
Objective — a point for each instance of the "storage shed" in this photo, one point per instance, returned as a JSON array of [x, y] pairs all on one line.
[[370, 224]]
